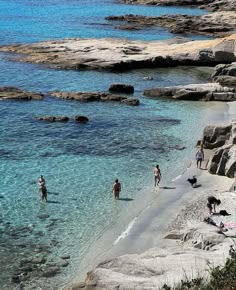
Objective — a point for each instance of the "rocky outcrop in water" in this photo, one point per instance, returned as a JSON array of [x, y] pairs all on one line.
[[194, 92], [225, 74], [91, 97], [121, 54], [12, 93], [81, 119], [217, 24], [121, 88], [53, 118], [223, 140], [211, 5]]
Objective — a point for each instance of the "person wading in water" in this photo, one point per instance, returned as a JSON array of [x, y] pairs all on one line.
[[116, 189]]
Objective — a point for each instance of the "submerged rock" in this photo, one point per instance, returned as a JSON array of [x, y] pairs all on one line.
[[51, 271], [53, 118]]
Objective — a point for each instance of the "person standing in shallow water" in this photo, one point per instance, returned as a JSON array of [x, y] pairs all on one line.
[[157, 175], [116, 189], [42, 188]]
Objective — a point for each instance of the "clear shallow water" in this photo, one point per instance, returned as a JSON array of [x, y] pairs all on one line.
[[29, 20], [80, 162]]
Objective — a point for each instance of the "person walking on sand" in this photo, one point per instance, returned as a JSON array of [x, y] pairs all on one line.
[[211, 203], [157, 175], [116, 189], [200, 157]]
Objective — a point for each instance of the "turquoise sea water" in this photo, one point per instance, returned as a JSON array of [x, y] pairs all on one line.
[[80, 162]]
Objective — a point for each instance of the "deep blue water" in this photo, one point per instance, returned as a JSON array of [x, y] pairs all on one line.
[[80, 162]]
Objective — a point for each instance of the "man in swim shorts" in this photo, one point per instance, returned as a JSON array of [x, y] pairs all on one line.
[[116, 189], [157, 175]]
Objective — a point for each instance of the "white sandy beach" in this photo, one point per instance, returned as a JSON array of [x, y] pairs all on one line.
[[177, 206]]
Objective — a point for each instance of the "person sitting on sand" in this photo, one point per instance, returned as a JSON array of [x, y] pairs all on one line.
[[157, 175], [116, 189], [211, 203]]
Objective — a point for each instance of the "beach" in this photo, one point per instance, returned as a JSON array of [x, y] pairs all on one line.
[[61, 118], [177, 208]]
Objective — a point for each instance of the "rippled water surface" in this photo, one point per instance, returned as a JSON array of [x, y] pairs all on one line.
[[81, 161]]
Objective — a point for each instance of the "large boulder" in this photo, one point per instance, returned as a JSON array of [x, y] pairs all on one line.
[[225, 70], [223, 140], [81, 119], [121, 88], [230, 166], [216, 136]]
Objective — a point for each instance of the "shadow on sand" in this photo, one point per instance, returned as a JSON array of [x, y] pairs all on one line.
[[197, 185], [126, 199], [167, 187]]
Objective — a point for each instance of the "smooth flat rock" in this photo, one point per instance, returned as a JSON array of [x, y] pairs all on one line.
[[123, 54]]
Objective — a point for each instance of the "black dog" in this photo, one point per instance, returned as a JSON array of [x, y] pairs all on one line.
[[192, 181]]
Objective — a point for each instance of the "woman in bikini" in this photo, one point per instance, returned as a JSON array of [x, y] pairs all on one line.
[[116, 189]]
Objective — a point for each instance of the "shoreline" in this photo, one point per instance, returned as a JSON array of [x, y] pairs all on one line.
[[146, 230]]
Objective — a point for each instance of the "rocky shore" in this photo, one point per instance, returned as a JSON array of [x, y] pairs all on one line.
[[211, 5], [216, 24], [223, 87], [120, 54], [221, 22]]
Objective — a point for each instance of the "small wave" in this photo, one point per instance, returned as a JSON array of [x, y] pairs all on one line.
[[126, 232]]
